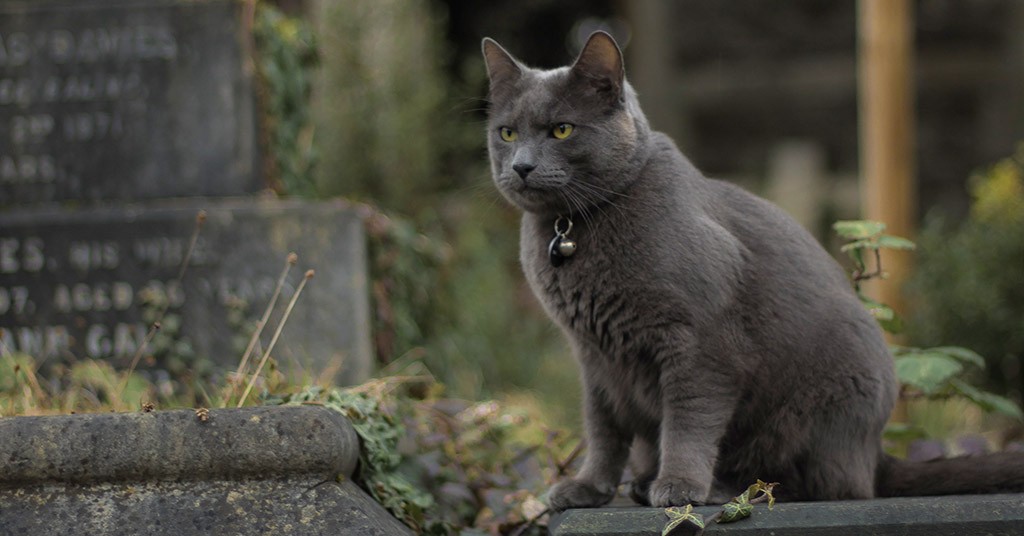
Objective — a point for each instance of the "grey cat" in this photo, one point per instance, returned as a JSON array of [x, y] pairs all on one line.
[[718, 342]]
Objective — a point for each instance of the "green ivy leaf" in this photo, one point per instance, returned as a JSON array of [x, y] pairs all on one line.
[[740, 507], [880, 311], [895, 242], [735, 511], [857, 229], [963, 355], [766, 489], [883, 314], [988, 401], [928, 372], [678, 517], [863, 243]]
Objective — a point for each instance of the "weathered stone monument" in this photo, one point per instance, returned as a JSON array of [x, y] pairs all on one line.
[[119, 123], [267, 470]]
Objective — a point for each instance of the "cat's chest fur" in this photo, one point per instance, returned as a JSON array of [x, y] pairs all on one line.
[[588, 295], [619, 298]]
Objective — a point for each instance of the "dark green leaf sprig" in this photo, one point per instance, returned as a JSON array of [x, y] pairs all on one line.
[[682, 520]]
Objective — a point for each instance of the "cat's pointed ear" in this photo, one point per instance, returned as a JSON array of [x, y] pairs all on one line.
[[502, 68], [600, 64]]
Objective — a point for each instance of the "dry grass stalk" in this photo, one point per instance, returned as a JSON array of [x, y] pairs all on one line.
[[277, 334], [200, 220], [255, 338]]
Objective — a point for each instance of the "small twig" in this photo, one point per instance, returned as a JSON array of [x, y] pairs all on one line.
[[563, 466], [255, 338], [150, 335], [859, 276], [277, 334], [381, 386], [200, 220], [530, 522], [4, 350]]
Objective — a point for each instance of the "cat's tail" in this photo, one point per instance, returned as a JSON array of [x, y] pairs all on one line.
[[992, 473]]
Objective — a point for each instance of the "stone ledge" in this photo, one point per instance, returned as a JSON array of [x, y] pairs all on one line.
[[285, 507], [993, 515], [262, 442], [267, 470]]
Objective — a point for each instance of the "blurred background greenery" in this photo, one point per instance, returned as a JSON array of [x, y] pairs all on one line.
[[382, 101]]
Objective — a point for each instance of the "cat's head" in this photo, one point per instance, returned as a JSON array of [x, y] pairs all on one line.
[[563, 140]]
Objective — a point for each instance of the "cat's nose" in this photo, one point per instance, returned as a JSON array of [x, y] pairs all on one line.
[[523, 169]]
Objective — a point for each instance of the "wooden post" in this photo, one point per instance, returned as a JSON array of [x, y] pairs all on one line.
[[886, 93], [649, 66]]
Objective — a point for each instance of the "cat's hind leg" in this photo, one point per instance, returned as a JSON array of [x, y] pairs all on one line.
[[841, 463]]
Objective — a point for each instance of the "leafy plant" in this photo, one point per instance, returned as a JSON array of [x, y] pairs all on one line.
[[287, 57], [447, 466], [740, 507], [865, 238], [968, 288], [388, 115], [932, 373]]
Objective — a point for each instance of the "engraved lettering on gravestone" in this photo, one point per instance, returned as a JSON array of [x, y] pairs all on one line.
[[130, 100], [68, 301], [116, 52], [89, 283]]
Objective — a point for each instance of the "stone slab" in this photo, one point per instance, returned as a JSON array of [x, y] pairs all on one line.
[[85, 283], [259, 442], [994, 515], [268, 470], [125, 100], [291, 507]]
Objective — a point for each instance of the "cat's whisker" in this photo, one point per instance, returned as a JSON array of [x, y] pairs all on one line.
[[599, 197], [582, 203], [606, 190], [580, 207]]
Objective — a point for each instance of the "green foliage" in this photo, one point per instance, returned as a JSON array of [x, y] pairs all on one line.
[[461, 306], [968, 287], [86, 385], [447, 466], [390, 121], [287, 56], [936, 372], [742, 506], [169, 349], [408, 270], [379, 432], [933, 373], [681, 517], [863, 237]]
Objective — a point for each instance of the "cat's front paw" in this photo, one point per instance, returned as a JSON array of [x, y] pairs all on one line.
[[572, 493], [667, 492]]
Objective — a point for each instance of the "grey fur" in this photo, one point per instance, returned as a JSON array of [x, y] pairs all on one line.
[[717, 340]]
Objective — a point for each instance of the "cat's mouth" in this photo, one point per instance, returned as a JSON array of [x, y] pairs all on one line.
[[539, 183], [534, 194]]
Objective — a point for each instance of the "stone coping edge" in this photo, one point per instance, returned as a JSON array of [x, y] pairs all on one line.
[[260, 442], [993, 515]]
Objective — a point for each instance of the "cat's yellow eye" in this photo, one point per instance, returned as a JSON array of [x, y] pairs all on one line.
[[562, 131], [508, 134]]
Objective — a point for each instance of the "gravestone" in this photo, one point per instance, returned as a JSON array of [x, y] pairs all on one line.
[[125, 100], [84, 284], [119, 122]]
